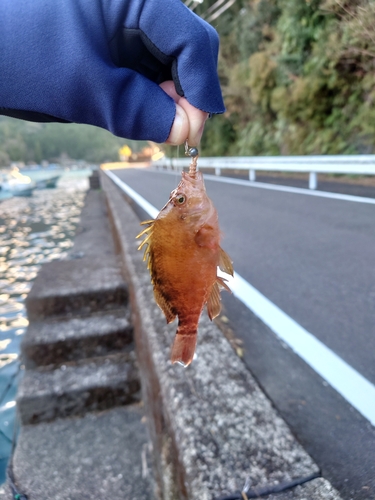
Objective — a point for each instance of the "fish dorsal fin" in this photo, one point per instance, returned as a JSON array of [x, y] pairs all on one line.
[[225, 262], [147, 232], [161, 301], [164, 306], [213, 303]]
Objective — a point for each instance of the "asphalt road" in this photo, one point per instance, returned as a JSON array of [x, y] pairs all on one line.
[[315, 259]]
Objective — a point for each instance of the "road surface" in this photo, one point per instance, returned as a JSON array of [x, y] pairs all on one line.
[[314, 258]]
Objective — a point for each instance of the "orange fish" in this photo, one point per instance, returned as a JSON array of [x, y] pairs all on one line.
[[183, 252]]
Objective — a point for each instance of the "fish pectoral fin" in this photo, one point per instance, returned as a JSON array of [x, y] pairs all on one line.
[[164, 306], [213, 303], [225, 262], [207, 237]]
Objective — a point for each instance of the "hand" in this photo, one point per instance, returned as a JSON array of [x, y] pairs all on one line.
[[189, 121], [110, 63]]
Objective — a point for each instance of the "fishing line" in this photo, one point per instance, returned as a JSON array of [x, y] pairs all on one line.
[[177, 157], [248, 493], [16, 494]]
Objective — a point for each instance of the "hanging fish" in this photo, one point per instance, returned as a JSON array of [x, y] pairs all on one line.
[[182, 249]]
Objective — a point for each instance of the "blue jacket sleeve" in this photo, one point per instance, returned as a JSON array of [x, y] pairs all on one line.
[[100, 62]]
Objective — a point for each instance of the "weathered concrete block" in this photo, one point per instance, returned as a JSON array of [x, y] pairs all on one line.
[[94, 180], [93, 235], [54, 342], [101, 456], [44, 395], [80, 286]]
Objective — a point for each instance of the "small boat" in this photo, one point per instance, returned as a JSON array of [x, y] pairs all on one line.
[[47, 183], [44, 177], [4, 195], [16, 184]]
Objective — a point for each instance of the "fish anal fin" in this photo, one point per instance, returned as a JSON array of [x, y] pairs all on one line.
[[225, 262], [164, 306], [222, 282], [184, 344], [213, 303]]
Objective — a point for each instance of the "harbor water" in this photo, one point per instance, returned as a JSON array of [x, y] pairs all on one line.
[[33, 230]]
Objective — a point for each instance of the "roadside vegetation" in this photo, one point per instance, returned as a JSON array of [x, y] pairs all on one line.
[[298, 78]]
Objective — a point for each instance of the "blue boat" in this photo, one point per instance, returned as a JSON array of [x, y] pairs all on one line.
[[13, 183]]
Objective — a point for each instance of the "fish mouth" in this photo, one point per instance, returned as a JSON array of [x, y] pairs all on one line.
[[195, 191], [195, 181]]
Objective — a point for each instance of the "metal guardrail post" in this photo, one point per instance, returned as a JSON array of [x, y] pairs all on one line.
[[217, 171], [313, 180], [252, 175]]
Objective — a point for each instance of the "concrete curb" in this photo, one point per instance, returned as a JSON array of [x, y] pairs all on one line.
[[211, 424]]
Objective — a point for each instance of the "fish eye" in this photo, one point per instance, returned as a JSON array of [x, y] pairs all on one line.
[[180, 199]]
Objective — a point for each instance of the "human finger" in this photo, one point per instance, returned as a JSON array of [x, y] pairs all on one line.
[[196, 118]]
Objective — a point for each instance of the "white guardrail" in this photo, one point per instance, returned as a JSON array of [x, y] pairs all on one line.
[[314, 165]]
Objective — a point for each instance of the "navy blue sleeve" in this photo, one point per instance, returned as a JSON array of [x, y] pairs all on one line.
[[100, 62]]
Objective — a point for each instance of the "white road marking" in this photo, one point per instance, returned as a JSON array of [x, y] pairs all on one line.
[[285, 189], [355, 388], [142, 202]]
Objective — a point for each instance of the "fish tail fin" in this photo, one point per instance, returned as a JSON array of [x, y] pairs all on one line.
[[184, 344]]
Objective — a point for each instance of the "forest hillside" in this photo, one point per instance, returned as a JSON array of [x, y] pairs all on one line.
[[33, 142], [297, 76]]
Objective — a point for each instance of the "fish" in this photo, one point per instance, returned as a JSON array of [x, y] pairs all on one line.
[[183, 253]]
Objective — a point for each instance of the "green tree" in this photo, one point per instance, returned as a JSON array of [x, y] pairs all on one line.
[[26, 141], [298, 78]]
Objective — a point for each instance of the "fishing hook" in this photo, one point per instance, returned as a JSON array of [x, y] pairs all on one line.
[[193, 153]]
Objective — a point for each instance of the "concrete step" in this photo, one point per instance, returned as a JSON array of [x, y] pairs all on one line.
[[54, 342], [93, 235], [74, 287], [75, 389], [101, 456]]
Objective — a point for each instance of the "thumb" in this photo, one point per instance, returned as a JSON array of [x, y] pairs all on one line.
[[197, 120], [180, 128], [189, 121]]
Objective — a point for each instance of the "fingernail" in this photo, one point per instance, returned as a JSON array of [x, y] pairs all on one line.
[[195, 134], [179, 130], [200, 132]]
